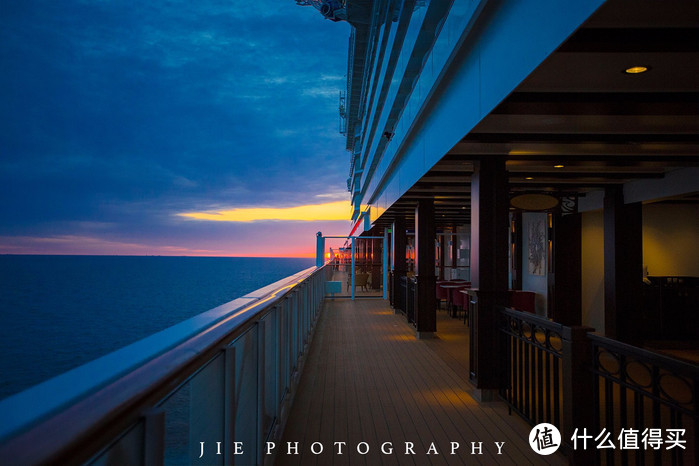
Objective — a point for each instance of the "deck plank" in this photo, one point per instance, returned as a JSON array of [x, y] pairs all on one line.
[[367, 379]]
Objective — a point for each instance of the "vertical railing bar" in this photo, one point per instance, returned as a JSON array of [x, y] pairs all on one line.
[[609, 414], [261, 363], [549, 395], [229, 401], [289, 342], [673, 425], [695, 421], [154, 437], [352, 271], [638, 422], [279, 395], [522, 375], [656, 408], [515, 375], [557, 391], [526, 381], [623, 414], [540, 384], [295, 329], [596, 398]]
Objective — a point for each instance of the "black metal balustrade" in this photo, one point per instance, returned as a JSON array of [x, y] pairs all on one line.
[[638, 406], [410, 298], [534, 349], [391, 289], [638, 389]]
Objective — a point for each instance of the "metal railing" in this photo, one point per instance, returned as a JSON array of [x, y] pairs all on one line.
[[211, 390], [590, 385], [410, 298], [534, 351], [638, 390]]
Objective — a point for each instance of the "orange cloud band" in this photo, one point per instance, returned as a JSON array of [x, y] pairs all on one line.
[[305, 213]]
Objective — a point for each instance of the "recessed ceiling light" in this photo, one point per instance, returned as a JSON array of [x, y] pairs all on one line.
[[558, 166], [636, 69], [529, 178]]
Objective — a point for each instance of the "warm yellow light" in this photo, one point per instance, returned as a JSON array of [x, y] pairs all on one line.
[[558, 166], [303, 213], [523, 152], [529, 178], [636, 69]]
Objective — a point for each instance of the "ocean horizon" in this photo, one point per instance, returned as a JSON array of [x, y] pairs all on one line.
[[58, 312]]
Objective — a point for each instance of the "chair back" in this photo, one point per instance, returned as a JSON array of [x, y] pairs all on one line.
[[523, 301]]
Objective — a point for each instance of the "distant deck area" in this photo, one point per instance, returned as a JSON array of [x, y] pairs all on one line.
[[367, 379]]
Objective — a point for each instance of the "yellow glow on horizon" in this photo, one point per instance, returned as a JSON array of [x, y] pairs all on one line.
[[305, 213]]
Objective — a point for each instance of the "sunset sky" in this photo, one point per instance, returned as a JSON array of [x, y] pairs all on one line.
[[170, 127]]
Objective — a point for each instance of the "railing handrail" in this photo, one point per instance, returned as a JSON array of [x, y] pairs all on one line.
[[533, 318], [661, 360], [84, 405]]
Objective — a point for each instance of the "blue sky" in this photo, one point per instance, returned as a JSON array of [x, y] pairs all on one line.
[[117, 117]]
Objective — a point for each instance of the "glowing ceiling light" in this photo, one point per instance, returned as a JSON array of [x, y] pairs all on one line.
[[636, 69], [558, 166]]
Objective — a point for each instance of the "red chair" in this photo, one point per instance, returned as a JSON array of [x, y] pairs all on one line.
[[523, 301], [441, 293], [460, 300]]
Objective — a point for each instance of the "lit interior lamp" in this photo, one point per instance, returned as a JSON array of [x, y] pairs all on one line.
[[558, 166], [636, 70], [529, 178]]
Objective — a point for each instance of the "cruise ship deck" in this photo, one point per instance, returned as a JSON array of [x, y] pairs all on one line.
[[367, 379], [543, 158]]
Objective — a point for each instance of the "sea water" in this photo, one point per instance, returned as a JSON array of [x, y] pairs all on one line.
[[58, 312]]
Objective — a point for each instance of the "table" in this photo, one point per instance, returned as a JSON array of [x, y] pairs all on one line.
[[449, 287], [471, 300]]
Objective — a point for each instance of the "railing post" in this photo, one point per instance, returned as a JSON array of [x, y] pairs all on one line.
[[577, 391], [384, 268], [154, 437], [320, 249]]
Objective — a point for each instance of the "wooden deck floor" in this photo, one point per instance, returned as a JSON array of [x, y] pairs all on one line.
[[367, 379]]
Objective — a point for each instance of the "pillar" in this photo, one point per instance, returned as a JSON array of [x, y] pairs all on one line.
[[565, 278], [320, 249], [623, 266], [426, 312], [442, 254], [454, 252], [489, 268], [516, 250], [399, 266]]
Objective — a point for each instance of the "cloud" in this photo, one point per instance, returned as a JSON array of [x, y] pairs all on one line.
[[338, 195], [119, 117], [312, 212], [74, 244]]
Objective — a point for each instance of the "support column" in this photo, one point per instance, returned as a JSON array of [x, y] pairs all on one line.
[[399, 240], [384, 263], [565, 278], [516, 250], [489, 223], [426, 312], [623, 266], [454, 252], [442, 254], [320, 249], [376, 263]]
